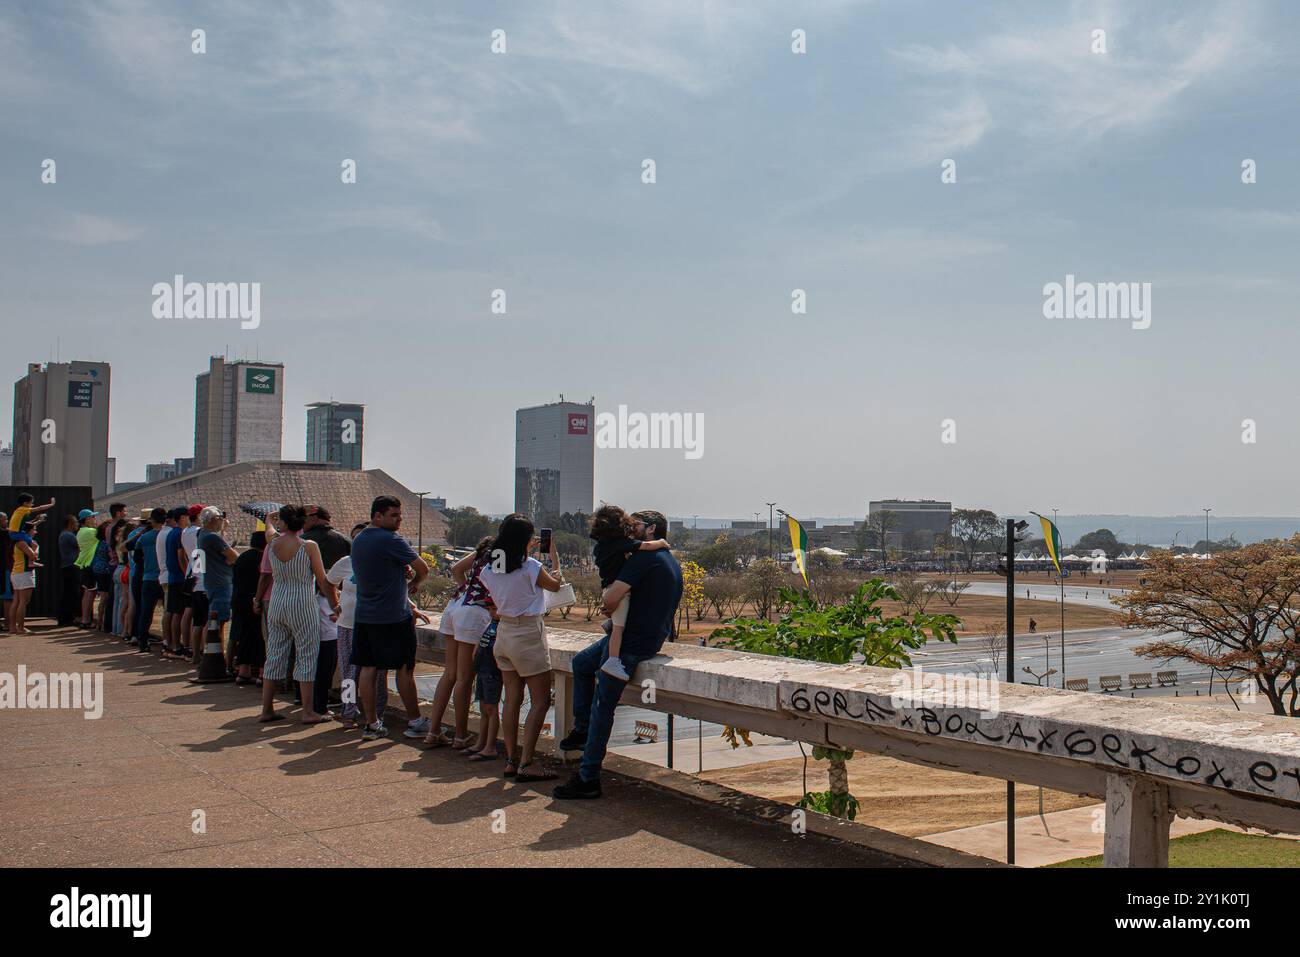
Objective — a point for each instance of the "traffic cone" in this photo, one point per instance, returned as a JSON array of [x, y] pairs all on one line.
[[212, 666]]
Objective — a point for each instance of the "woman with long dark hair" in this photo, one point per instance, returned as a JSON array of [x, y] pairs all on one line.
[[517, 585]]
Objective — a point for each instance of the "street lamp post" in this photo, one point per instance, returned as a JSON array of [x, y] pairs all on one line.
[[420, 523], [770, 519], [1207, 529]]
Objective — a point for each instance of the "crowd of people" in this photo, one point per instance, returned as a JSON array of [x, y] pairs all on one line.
[[305, 603]]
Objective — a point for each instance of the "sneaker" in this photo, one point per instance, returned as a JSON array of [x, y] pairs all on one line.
[[374, 731], [614, 668], [574, 741], [417, 728], [577, 789]]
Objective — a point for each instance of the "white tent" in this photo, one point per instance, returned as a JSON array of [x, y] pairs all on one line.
[[827, 550]]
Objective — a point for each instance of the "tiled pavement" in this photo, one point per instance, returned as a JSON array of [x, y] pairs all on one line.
[[124, 789]]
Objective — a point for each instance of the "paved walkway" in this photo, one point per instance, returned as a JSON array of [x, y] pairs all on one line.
[[128, 789]]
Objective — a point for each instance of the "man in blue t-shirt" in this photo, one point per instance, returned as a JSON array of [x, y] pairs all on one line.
[[175, 597], [654, 580], [383, 631], [150, 591]]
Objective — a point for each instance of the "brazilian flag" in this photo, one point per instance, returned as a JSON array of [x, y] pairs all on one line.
[[799, 545], [1053, 539]]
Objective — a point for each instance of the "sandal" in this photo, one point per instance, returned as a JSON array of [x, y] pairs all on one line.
[[530, 776], [480, 756], [510, 763], [461, 744], [438, 740]]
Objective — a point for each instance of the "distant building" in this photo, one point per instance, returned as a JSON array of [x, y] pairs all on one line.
[[110, 475], [238, 412], [555, 455], [6, 465], [919, 521], [161, 471], [334, 432], [61, 425], [439, 503]]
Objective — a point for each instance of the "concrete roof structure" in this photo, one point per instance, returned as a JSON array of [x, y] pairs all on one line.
[[347, 493]]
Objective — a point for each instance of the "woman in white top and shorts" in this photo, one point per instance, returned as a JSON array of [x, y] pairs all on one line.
[[518, 586], [466, 617]]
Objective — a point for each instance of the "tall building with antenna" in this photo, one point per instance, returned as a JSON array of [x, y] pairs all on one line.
[[61, 425], [555, 456]]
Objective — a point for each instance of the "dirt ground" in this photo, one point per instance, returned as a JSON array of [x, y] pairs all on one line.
[[903, 798], [975, 611]]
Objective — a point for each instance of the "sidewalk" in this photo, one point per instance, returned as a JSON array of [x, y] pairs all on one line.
[[178, 774]]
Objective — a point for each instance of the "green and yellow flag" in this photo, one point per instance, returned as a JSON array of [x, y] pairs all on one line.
[[1053, 539], [799, 545]]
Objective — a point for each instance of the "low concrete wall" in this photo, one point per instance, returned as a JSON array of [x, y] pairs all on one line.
[[1237, 767]]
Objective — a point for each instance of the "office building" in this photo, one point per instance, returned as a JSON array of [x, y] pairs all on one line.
[[334, 431], [160, 471], [6, 465], [920, 521], [555, 456], [238, 412], [61, 425]]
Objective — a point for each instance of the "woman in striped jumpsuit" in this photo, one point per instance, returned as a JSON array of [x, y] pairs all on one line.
[[293, 615]]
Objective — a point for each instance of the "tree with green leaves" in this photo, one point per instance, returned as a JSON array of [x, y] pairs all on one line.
[[854, 631], [975, 529], [466, 525], [873, 534], [1103, 540]]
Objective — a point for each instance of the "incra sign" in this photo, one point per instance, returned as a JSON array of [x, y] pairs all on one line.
[[577, 423]]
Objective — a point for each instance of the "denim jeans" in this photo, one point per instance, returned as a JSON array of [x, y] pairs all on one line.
[[595, 696], [151, 594]]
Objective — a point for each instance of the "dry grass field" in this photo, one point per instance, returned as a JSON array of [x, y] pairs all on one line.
[[904, 798]]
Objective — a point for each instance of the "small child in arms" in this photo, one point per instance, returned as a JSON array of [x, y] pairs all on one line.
[[612, 530]]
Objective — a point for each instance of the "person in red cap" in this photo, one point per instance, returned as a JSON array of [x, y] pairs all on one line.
[[194, 618]]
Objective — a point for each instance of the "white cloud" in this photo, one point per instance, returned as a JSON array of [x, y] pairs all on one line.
[[1045, 81], [86, 230]]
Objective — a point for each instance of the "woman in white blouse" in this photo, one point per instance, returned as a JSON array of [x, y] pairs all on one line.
[[518, 586]]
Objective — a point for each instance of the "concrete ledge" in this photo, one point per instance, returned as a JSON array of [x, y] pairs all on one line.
[[1242, 768]]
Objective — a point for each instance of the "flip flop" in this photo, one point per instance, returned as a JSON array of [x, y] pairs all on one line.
[[483, 757]]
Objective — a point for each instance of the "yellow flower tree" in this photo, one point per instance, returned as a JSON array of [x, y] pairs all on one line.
[[692, 590]]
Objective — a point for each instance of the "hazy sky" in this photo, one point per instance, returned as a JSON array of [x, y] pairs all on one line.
[[775, 171]]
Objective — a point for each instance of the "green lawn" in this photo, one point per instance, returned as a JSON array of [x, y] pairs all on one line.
[[1219, 848]]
